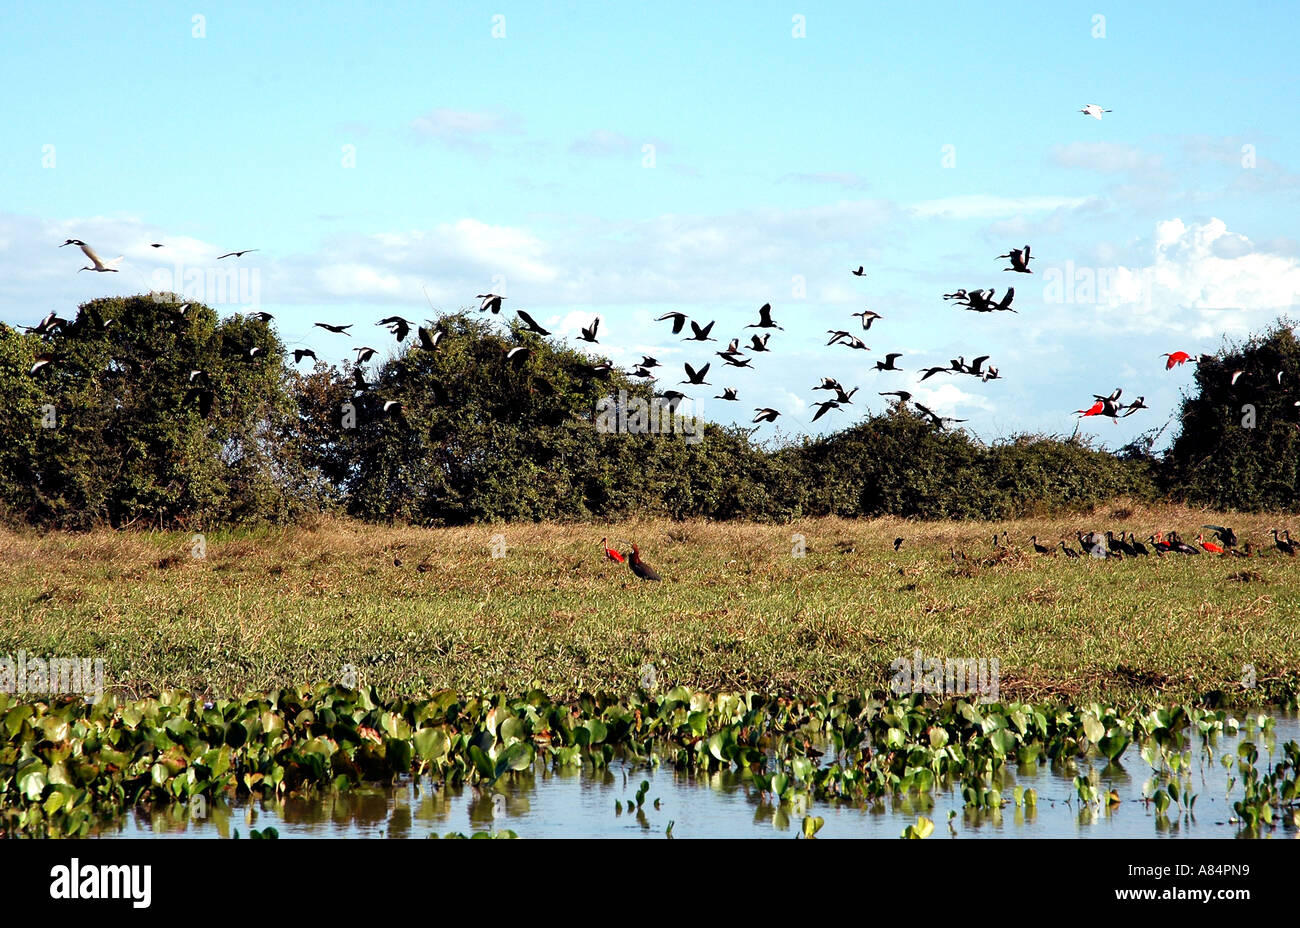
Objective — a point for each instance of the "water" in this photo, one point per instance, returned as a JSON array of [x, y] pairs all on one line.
[[572, 804]]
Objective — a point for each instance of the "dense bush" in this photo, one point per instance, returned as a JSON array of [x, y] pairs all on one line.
[[1239, 446], [470, 435]]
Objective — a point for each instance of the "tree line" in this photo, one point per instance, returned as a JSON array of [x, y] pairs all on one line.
[[148, 414]]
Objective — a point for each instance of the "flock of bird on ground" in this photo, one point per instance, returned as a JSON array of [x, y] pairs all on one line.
[[1106, 545]]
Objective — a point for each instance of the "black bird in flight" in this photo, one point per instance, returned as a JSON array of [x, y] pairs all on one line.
[[531, 323], [679, 321], [336, 329], [764, 319], [237, 254], [589, 332], [701, 334]]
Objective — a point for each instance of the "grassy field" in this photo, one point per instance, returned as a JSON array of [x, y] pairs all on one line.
[[736, 611]]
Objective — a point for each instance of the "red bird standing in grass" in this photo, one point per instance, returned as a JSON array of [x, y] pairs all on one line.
[[610, 552], [1177, 357], [640, 567], [1208, 545]]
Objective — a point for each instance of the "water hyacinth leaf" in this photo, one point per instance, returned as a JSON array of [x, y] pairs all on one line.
[[1093, 728], [812, 825], [432, 744]]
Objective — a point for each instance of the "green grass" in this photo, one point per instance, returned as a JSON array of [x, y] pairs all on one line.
[[293, 606]]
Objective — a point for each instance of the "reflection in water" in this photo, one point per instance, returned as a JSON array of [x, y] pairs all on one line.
[[572, 803]]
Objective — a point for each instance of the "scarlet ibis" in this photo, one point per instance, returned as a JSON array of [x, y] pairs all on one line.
[[1208, 545], [1041, 549], [96, 263], [237, 254], [823, 407], [764, 319], [336, 329], [868, 317], [679, 321], [1093, 110], [1286, 546], [765, 415], [640, 567], [701, 332], [1019, 258], [397, 325], [529, 321], [589, 332], [1069, 552], [888, 363], [490, 301], [1158, 542], [860, 272], [728, 393], [611, 553], [1176, 357]]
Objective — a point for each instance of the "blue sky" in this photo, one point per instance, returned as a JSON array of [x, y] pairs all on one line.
[[519, 163]]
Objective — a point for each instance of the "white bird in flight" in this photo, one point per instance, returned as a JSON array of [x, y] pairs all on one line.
[[97, 263], [1093, 110]]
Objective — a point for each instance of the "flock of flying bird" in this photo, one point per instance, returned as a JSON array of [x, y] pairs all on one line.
[[737, 355]]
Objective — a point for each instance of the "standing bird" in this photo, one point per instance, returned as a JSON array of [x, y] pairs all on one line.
[[1226, 535], [1041, 549], [640, 567], [1208, 545], [1069, 552], [1093, 110], [610, 553], [1286, 546], [898, 543], [1137, 546], [96, 263]]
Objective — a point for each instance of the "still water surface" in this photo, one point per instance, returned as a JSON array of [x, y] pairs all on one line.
[[571, 803]]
